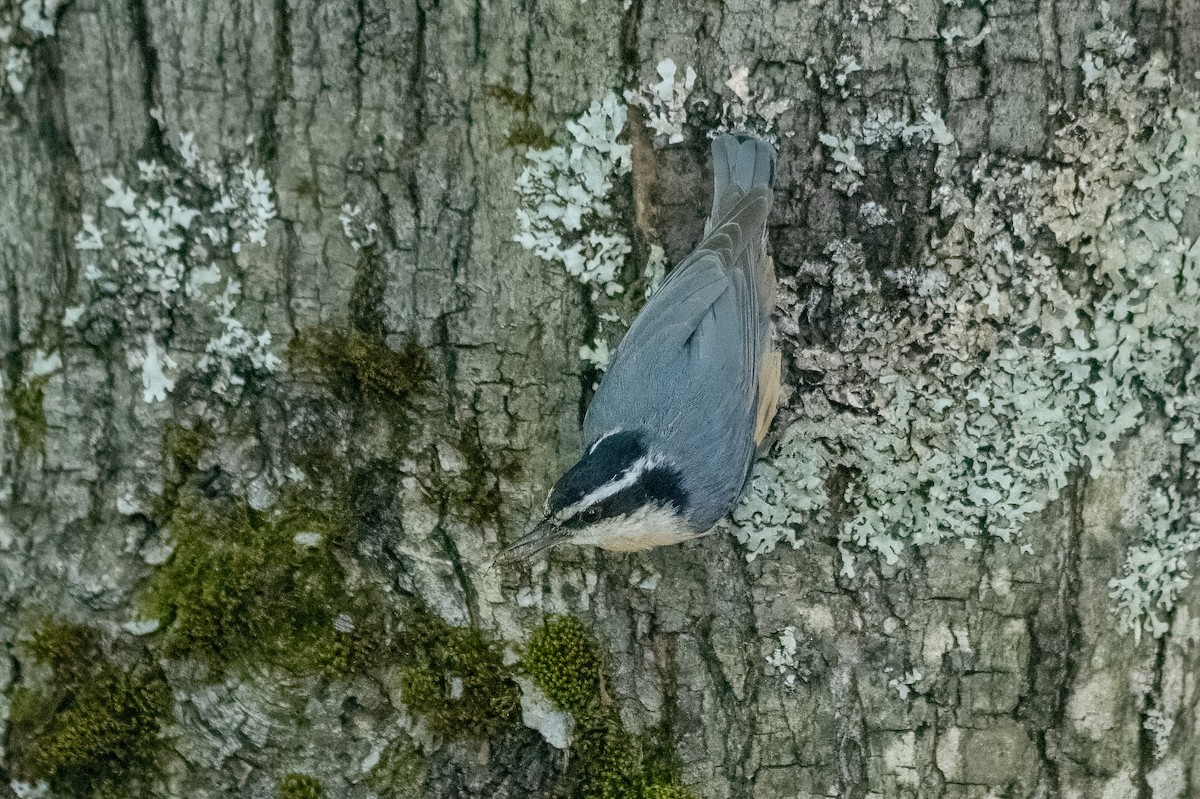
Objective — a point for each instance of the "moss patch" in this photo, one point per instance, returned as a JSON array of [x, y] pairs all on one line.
[[361, 363], [96, 726], [474, 495], [603, 763], [400, 772], [607, 763], [300, 786], [529, 135], [517, 101], [563, 660], [263, 585], [455, 678], [182, 448], [525, 134], [29, 417], [667, 791]]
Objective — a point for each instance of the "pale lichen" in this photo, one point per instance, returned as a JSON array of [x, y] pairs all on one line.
[[596, 354], [656, 269], [883, 128], [903, 682], [965, 389], [1160, 726], [783, 659], [846, 165], [566, 214], [229, 356], [360, 231], [1156, 571], [874, 214], [172, 235], [664, 104], [38, 17], [17, 65], [755, 109], [847, 66], [956, 38]]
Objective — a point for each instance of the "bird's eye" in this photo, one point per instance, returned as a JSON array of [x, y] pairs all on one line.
[[591, 514]]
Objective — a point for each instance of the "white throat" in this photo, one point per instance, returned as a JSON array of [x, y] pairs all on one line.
[[645, 528]]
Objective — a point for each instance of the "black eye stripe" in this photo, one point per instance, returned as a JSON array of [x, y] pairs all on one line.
[[657, 486], [611, 456]]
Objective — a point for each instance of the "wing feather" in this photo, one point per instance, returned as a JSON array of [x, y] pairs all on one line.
[[656, 346], [692, 368]]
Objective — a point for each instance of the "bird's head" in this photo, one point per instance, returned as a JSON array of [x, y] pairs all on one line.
[[619, 496]]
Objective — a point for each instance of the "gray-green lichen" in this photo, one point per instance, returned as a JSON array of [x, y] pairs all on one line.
[[567, 214], [157, 250], [960, 409]]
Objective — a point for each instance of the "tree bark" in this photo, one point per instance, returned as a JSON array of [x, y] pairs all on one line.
[[392, 135]]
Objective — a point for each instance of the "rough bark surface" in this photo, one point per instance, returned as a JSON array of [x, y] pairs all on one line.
[[1022, 682]]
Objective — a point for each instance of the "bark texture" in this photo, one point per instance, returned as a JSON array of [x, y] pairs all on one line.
[[958, 672]]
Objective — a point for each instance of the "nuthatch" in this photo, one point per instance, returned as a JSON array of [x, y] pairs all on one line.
[[671, 433]]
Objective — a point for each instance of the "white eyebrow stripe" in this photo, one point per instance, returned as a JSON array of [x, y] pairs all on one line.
[[575, 508], [628, 478]]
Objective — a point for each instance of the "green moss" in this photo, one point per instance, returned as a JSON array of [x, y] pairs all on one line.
[[474, 495], [239, 585], [517, 101], [607, 763], [29, 417], [672, 790], [400, 772], [455, 678], [562, 660], [525, 134], [603, 763], [304, 187], [96, 726], [660, 764], [529, 135], [300, 786], [182, 448], [360, 362]]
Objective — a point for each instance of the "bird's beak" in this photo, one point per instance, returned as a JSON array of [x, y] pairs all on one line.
[[539, 539]]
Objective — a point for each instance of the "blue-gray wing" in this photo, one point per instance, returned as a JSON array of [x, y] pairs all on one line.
[[688, 367]]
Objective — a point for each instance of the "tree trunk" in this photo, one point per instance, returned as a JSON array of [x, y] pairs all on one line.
[[984, 225]]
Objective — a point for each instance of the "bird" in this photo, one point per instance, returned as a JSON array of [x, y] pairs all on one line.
[[672, 430]]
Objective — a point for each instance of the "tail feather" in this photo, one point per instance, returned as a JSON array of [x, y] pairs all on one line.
[[741, 162], [745, 165]]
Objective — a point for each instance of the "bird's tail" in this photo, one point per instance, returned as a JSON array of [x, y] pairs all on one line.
[[741, 162]]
